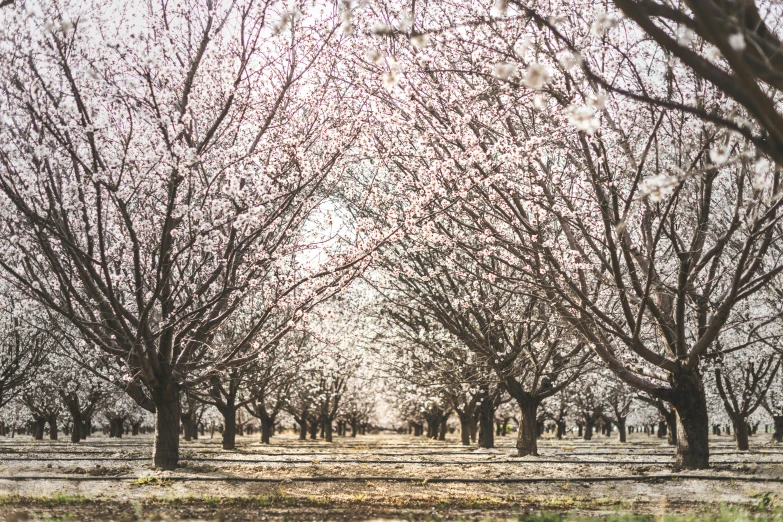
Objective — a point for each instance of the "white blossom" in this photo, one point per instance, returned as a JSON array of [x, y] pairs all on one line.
[[536, 76]]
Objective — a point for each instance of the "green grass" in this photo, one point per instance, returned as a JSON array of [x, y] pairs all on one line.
[[151, 481]]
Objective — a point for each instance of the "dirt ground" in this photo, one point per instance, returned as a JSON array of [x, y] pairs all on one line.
[[390, 477]]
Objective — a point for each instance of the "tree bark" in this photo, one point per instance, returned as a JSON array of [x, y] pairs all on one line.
[[230, 422], [588, 430], [487, 424], [464, 428], [52, 427], [742, 433], [119, 427], [266, 430], [38, 428], [561, 429], [165, 451], [528, 429], [777, 436], [622, 430], [690, 405], [443, 427], [328, 430]]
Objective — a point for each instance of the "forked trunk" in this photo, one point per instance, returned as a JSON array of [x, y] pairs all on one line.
[[528, 429], [690, 404], [165, 450]]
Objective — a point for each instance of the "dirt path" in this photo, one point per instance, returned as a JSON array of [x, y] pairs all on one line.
[[384, 476]]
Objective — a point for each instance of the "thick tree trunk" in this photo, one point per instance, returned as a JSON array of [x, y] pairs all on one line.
[[742, 433], [186, 425], [561, 429], [302, 428], [690, 405], [528, 429], [314, 430], [464, 428], [119, 427], [486, 424], [230, 421], [86, 427], [266, 430], [52, 427], [354, 428], [777, 435], [76, 432], [443, 427], [589, 430], [72, 403], [328, 430], [165, 450], [38, 428], [622, 430]]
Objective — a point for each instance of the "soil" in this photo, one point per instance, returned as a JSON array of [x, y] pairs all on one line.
[[385, 476]]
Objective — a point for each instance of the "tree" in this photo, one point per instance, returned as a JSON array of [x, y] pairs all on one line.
[[23, 347], [156, 174], [648, 175]]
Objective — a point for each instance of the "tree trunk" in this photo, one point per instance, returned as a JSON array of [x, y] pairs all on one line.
[[690, 404], [464, 428], [313, 430], [119, 427], [328, 430], [443, 427], [354, 428], [487, 424], [266, 430], [72, 403], [621, 429], [777, 436], [38, 428], [229, 413], [302, 428], [528, 429], [53, 427], [165, 451], [561, 429], [741, 431], [76, 432], [589, 430]]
